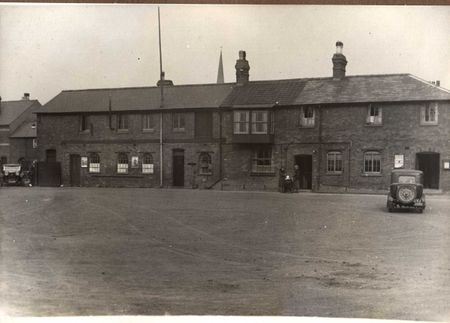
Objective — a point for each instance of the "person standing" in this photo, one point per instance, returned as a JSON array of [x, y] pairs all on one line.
[[282, 174]]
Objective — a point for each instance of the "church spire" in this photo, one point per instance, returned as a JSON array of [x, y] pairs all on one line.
[[220, 78]]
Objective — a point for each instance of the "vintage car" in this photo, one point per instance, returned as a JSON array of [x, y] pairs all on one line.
[[13, 174], [406, 190]]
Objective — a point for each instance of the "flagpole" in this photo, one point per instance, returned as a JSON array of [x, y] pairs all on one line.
[[161, 160]]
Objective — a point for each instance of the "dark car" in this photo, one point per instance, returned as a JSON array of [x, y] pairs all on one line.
[[406, 190]]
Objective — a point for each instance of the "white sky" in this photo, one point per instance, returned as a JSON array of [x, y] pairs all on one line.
[[48, 48]]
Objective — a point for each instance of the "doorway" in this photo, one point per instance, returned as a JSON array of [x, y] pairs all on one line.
[[429, 164], [75, 166], [178, 167], [305, 165], [50, 155]]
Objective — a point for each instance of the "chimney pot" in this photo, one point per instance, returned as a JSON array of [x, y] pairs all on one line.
[[26, 96], [438, 83]]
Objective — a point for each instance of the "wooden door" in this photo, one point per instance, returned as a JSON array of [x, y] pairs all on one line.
[[429, 164], [178, 168], [75, 168]]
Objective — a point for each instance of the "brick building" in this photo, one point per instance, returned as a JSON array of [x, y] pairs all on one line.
[[18, 130], [345, 132]]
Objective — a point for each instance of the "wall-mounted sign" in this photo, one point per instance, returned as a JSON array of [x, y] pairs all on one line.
[[446, 164], [84, 162], [399, 161], [134, 162]]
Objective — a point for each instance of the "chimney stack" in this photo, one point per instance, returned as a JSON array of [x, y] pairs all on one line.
[[438, 83], [242, 68], [339, 62], [26, 96]]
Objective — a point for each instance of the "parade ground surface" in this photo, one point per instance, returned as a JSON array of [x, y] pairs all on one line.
[[101, 251]]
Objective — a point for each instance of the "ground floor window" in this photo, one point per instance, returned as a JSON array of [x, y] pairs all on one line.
[[147, 164], [334, 162], [94, 163], [122, 163], [372, 162], [262, 160], [205, 164]]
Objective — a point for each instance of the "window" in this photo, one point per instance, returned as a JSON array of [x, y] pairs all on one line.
[[84, 123], [148, 122], [259, 122], [178, 121], [334, 162], [147, 164], [372, 162], [122, 123], [122, 163], [262, 161], [307, 117], [94, 163], [429, 114], [205, 164], [241, 120], [35, 143], [374, 115]]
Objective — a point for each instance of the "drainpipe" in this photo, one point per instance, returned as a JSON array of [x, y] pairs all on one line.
[[220, 145], [319, 162]]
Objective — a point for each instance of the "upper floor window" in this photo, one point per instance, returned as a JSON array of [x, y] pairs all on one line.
[[205, 164], [148, 122], [429, 114], [334, 162], [259, 122], [241, 121], [307, 117], [372, 162], [84, 123], [262, 160], [178, 121], [94, 163], [122, 163], [147, 164], [374, 115], [122, 122]]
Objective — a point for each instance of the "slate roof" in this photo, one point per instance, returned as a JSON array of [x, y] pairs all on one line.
[[370, 88], [25, 130], [139, 98], [352, 89], [265, 93], [10, 110]]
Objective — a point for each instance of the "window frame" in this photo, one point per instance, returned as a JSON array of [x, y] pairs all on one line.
[[84, 124], [262, 169], [122, 168], [254, 122], [126, 122], [307, 122], [94, 168], [371, 161], [201, 164], [334, 162], [423, 114], [145, 122], [146, 167], [376, 119], [238, 122], [177, 117]]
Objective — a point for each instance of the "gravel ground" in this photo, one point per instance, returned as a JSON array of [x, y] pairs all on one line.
[[97, 251]]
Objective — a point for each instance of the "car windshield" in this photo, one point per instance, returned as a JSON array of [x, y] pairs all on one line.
[[403, 179]]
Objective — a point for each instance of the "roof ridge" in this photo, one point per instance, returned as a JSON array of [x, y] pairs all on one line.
[[4, 101], [149, 87]]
